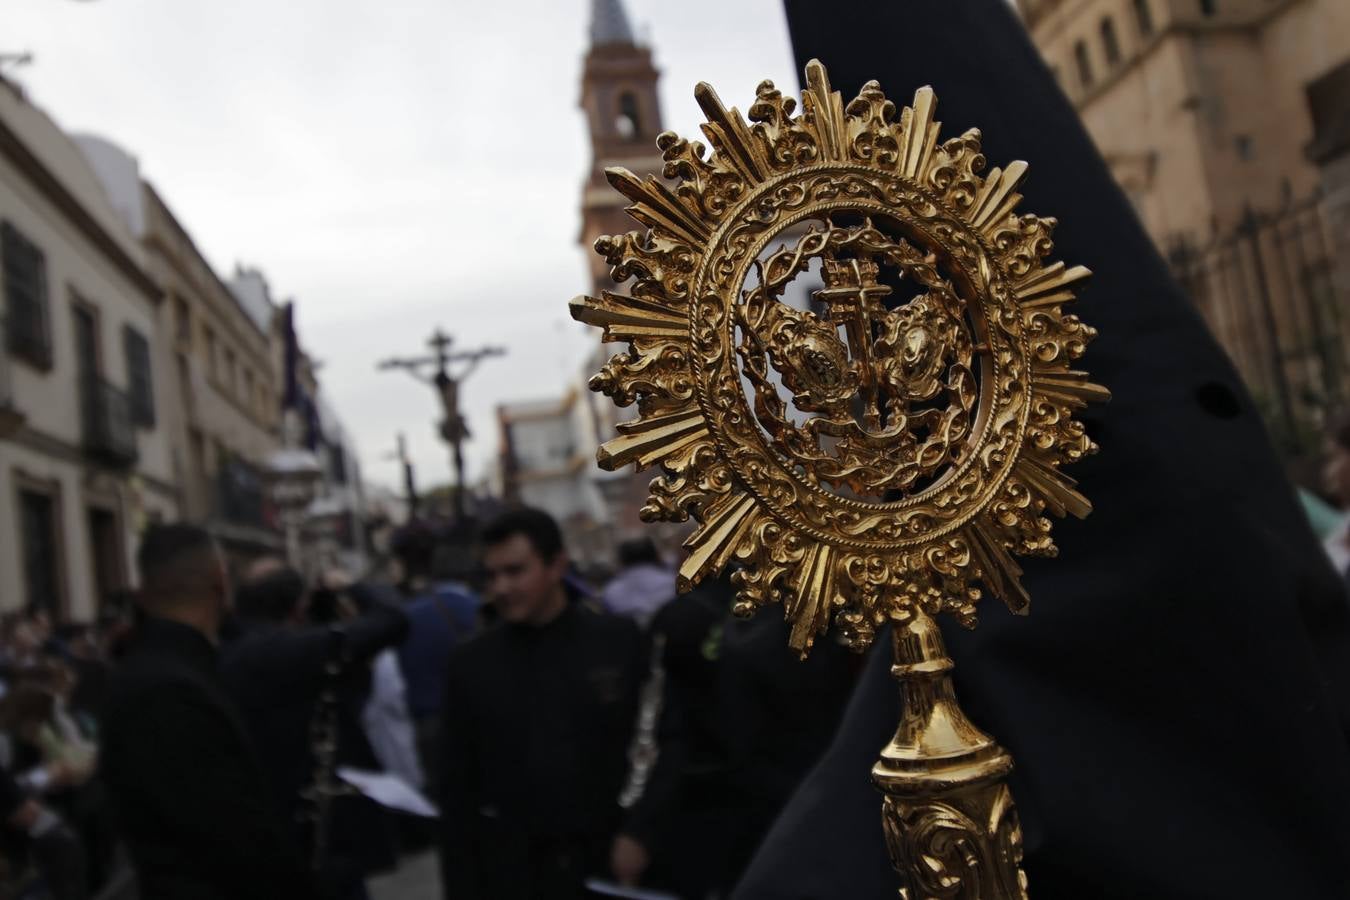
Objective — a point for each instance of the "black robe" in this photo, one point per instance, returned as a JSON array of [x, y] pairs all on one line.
[[1177, 700], [536, 731], [742, 719], [192, 801], [275, 673]]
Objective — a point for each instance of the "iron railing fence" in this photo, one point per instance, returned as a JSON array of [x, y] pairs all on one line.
[[109, 430], [1267, 290]]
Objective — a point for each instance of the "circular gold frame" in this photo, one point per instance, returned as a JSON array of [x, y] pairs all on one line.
[[859, 560]]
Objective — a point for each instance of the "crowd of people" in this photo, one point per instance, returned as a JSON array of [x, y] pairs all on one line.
[[571, 737], [574, 739], [56, 835], [611, 739]]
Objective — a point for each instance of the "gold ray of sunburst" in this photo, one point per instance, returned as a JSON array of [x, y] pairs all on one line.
[[827, 554]]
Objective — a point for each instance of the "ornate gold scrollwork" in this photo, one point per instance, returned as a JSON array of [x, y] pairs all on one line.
[[876, 450]]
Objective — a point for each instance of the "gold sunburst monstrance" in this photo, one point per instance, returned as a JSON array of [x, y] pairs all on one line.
[[989, 336], [881, 451]]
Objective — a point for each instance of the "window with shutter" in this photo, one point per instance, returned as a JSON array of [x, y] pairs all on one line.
[[27, 325], [1143, 17], [39, 518], [1084, 62], [337, 462], [1110, 43], [140, 386]]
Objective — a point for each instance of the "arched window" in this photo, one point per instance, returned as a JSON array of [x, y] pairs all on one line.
[[1109, 42], [1143, 17], [628, 123], [1084, 63]]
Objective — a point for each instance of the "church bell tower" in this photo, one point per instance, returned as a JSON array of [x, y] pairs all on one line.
[[623, 117]]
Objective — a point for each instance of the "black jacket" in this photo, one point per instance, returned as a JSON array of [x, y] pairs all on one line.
[[690, 767], [781, 712], [191, 799], [536, 730], [1176, 703], [275, 673], [742, 718]]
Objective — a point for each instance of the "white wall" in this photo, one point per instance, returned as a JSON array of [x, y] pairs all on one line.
[[543, 444], [50, 399], [120, 176], [565, 496]]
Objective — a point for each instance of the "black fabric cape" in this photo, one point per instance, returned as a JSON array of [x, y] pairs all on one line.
[[184, 779], [1177, 700]]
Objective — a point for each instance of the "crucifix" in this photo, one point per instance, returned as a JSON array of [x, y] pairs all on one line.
[[853, 298], [446, 382]]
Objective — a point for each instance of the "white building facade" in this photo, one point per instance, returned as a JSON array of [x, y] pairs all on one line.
[[85, 456], [548, 462], [221, 394]]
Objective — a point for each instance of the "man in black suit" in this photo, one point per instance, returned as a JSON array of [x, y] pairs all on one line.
[[192, 801], [539, 713], [276, 671], [1177, 702]]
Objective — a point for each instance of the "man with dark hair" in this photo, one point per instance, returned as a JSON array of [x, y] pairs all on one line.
[[276, 671], [539, 711], [191, 798], [270, 591]]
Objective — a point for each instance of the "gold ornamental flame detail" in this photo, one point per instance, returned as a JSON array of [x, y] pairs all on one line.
[[850, 359]]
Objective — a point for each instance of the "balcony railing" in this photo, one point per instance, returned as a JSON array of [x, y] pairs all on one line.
[[109, 432], [239, 496]]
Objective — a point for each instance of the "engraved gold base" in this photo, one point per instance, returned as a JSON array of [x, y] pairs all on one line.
[[951, 827]]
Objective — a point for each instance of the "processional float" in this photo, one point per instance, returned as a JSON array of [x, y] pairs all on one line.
[[876, 454]]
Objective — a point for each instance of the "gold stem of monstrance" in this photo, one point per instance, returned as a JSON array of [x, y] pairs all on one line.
[[873, 450], [949, 818]]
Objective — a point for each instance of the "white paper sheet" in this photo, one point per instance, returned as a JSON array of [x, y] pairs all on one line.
[[389, 791], [610, 889]]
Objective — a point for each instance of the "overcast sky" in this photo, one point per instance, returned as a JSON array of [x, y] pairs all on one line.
[[390, 165]]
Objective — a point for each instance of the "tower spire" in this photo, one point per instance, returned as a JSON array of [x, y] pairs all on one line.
[[609, 24], [623, 118]]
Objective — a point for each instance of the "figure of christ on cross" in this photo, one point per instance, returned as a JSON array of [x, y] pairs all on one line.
[[446, 382]]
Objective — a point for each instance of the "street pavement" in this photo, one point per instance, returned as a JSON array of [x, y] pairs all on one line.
[[416, 878]]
